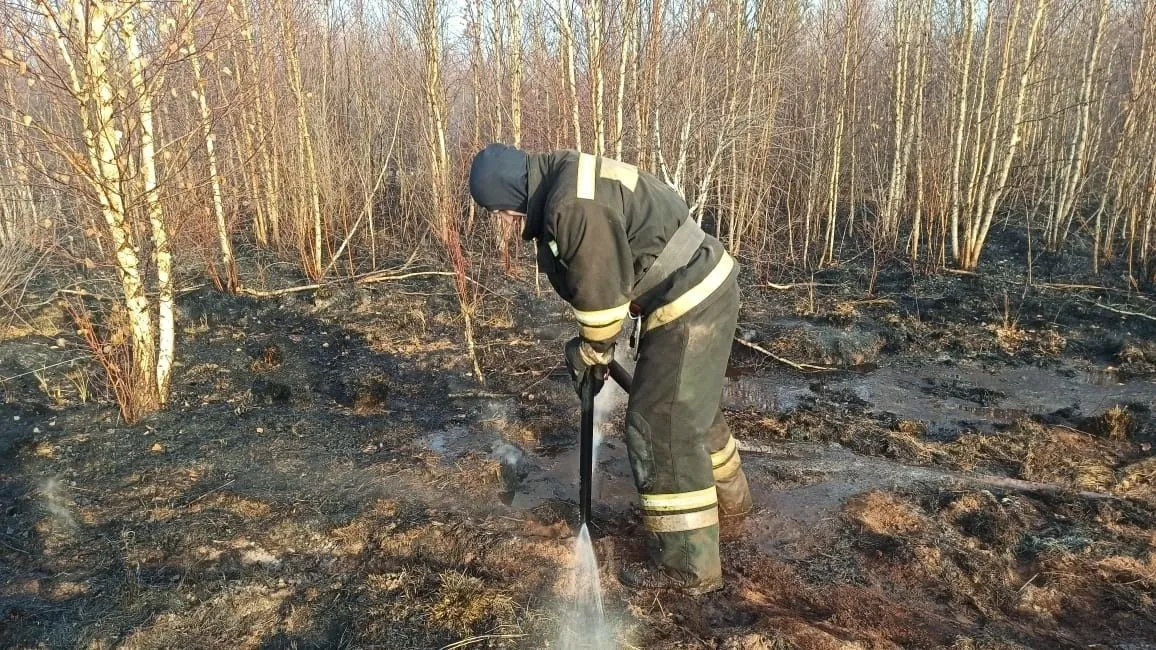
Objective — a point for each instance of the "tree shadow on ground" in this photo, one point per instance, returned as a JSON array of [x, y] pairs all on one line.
[[288, 496]]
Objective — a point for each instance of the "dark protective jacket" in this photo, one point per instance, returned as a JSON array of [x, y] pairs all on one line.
[[599, 225]]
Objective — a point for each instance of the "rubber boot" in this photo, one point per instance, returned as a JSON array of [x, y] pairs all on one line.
[[734, 495]]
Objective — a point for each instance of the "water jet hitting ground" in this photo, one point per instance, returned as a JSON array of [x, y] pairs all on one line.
[[585, 626]]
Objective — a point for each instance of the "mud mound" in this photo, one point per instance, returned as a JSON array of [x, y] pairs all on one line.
[[1013, 559], [840, 346], [1137, 358], [1034, 452], [884, 521]]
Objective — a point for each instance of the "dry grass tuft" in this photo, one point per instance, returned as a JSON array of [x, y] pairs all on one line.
[[1067, 458], [1014, 340], [1137, 359], [1117, 423], [1138, 480], [464, 603]]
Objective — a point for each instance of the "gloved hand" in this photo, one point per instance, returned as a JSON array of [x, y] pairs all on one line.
[[581, 356]]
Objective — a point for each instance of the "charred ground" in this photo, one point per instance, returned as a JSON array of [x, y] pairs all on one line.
[[975, 471]]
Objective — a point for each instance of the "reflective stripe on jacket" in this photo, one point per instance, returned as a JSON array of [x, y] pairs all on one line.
[[599, 224]]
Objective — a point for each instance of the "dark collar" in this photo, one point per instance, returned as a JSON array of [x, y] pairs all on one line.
[[539, 173]]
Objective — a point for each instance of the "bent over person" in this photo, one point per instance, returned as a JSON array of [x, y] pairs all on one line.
[[617, 243]]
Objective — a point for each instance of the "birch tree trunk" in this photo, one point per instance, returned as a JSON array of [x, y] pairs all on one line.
[[981, 223], [515, 18], [162, 256], [93, 86], [1073, 175], [261, 128], [566, 12], [228, 260], [593, 11], [960, 118], [314, 251], [627, 22]]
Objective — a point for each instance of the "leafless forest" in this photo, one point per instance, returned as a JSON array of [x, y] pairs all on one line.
[[149, 136]]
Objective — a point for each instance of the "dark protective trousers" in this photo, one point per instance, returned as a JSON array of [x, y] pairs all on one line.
[[679, 444]]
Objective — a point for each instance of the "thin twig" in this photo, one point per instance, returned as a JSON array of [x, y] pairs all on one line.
[[802, 367], [219, 487], [1058, 285], [18, 550], [476, 639], [403, 276], [42, 369], [1029, 582], [480, 394], [84, 294]]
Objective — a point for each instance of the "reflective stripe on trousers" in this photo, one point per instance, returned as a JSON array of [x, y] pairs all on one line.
[[671, 513], [725, 463]]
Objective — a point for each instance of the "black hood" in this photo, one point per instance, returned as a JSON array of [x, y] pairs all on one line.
[[499, 178]]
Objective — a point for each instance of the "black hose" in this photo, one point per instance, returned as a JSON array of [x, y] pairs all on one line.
[[586, 449], [621, 376]]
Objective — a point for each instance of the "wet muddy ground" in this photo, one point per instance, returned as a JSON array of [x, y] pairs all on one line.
[[972, 468]]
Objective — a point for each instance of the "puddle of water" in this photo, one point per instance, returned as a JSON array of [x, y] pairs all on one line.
[[437, 443], [451, 442], [1102, 377], [761, 394], [946, 398]]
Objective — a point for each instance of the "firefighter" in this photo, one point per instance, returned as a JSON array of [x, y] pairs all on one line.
[[619, 245]]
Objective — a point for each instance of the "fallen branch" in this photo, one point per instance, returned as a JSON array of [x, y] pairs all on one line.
[[18, 550], [1117, 310], [368, 278], [1077, 287], [257, 293], [795, 285], [389, 278], [802, 367]]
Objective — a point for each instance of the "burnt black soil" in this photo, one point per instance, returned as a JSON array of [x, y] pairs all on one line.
[[975, 470]]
